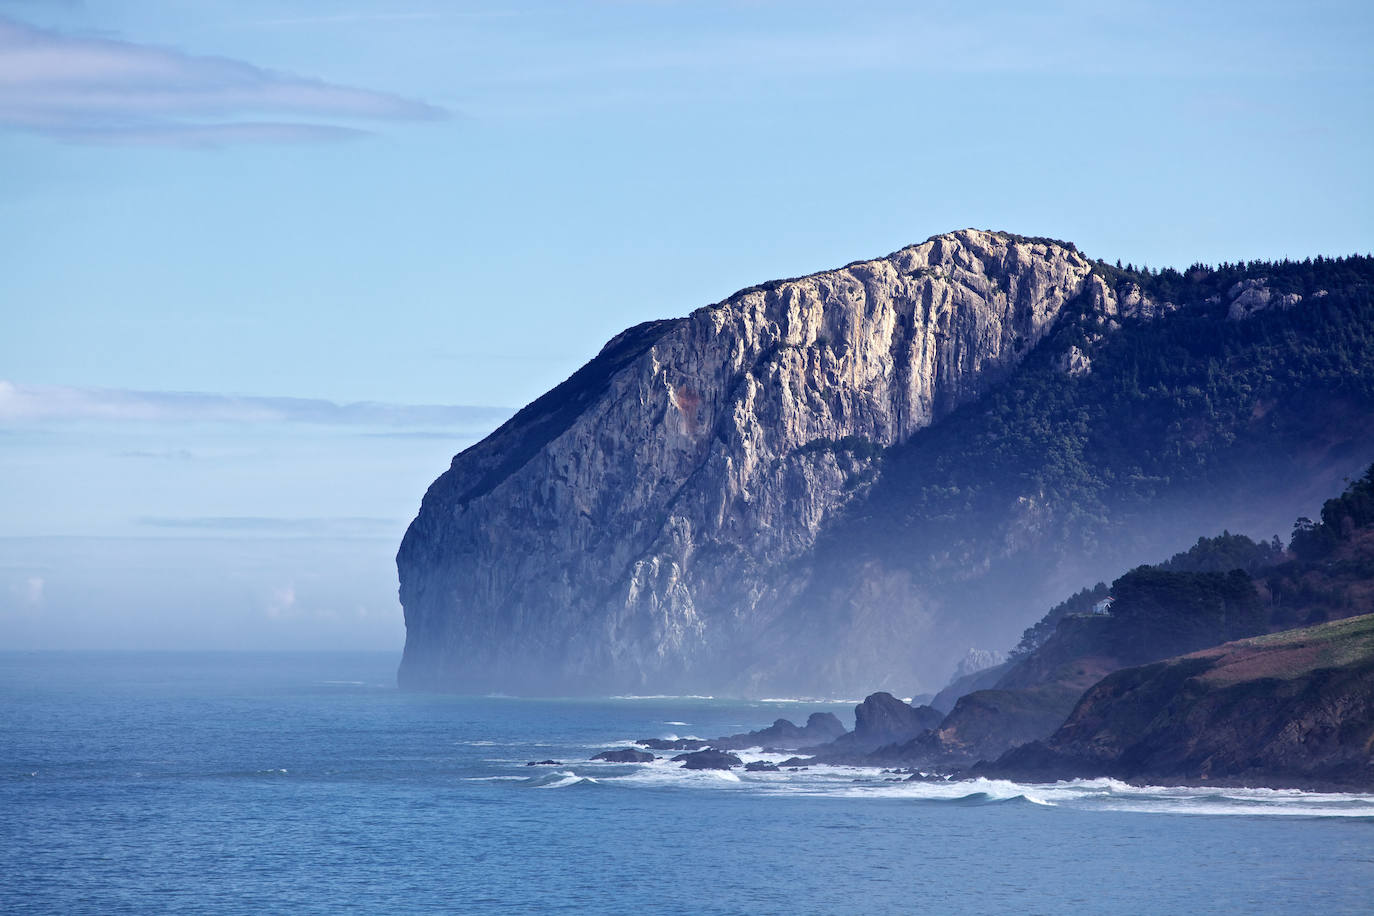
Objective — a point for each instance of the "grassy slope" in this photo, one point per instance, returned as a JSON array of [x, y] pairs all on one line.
[[1287, 709]]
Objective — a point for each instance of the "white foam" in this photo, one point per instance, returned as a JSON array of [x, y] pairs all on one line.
[[823, 780], [813, 701], [566, 779], [659, 696]]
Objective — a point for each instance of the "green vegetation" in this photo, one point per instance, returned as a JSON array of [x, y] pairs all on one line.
[[1187, 403], [1081, 603], [1340, 517], [1226, 552], [1225, 588]]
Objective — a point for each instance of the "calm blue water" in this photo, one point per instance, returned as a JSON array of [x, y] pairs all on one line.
[[307, 783]]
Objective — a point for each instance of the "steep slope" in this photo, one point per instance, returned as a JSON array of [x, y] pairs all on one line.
[[1292, 708], [616, 532], [838, 483]]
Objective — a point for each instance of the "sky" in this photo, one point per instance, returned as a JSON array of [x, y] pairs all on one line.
[[265, 267]]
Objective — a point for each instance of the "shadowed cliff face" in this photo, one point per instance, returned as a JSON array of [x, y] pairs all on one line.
[[626, 531]]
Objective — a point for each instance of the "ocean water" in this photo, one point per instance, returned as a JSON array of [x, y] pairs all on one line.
[[245, 783]]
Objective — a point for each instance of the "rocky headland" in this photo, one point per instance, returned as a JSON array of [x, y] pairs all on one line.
[[837, 483]]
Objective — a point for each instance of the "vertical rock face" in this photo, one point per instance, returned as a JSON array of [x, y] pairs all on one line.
[[632, 528]]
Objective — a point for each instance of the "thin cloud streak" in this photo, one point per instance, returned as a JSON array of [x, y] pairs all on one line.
[[341, 526], [57, 403], [101, 90], [340, 19]]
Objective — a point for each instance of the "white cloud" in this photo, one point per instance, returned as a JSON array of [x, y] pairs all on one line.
[[282, 600], [25, 596], [267, 526], [101, 90], [44, 403]]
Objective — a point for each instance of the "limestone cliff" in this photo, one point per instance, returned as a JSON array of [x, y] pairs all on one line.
[[619, 532], [836, 484]]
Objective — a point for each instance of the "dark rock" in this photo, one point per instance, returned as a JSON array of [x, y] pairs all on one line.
[[961, 686], [625, 755], [544, 763], [879, 720], [820, 728], [761, 766], [984, 725], [882, 719], [672, 744], [709, 760]]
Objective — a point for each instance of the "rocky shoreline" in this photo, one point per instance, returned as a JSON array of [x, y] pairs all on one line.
[[1290, 710]]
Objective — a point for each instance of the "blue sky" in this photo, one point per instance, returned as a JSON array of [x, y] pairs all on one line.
[[456, 204]]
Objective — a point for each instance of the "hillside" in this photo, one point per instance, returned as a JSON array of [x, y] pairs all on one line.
[[1294, 708]]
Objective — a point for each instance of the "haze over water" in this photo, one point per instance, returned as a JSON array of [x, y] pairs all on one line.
[[137, 782]]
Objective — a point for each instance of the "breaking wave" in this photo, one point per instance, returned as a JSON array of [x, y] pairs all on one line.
[[845, 782]]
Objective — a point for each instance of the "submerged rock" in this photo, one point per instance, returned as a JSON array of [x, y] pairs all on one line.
[[708, 760], [761, 766], [625, 755], [672, 744]]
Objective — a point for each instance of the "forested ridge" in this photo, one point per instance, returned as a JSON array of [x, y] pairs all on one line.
[[1179, 403]]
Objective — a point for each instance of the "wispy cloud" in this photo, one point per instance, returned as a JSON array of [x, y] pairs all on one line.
[[282, 600], [25, 596], [266, 526], [101, 90], [44, 403], [166, 454], [339, 19]]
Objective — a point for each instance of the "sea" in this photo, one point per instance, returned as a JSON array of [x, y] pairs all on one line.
[[307, 783]]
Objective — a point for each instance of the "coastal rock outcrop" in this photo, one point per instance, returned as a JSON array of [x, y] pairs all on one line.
[[708, 759], [672, 744], [820, 728], [881, 720], [624, 755]]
